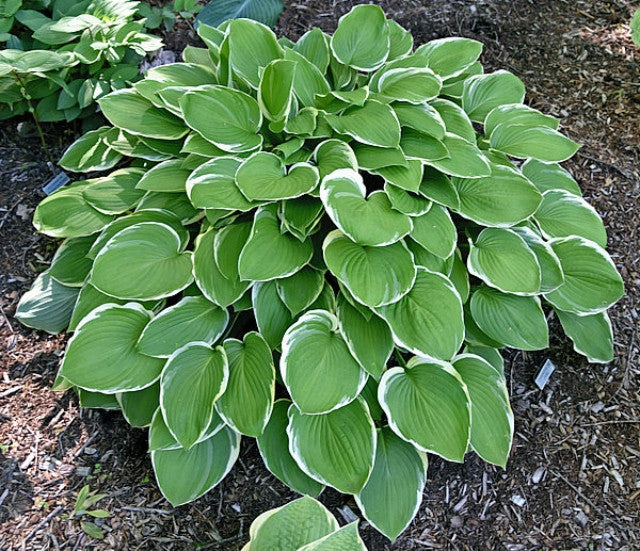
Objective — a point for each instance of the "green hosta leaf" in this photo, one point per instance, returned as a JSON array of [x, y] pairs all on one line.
[[459, 276], [483, 93], [374, 275], [337, 448], [450, 56], [465, 159], [550, 268], [502, 199], [435, 231], [252, 46], [562, 214], [346, 538], [143, 261], [276, 85], [272, 315], [300, 290], [374, 123], [89, 153], [194, 377], [102, 355], [423, 118], [301, 216], [546, 176], [314, 45], [492, 427], [168, 176], [422, 257], [428, 320], [95, 400], [47, 305], [371, 157], [265, 11], [257, 261], [361, 40], [308, 81], [227, 246], [502, 259], [591, 335], [160, 438], [369, 340], [521, 141], [411, 204], [422, 147], [591, 281], [415, 399], [115, 193], [273, 444], [213, 284], [292, 526], [213, 186], [139, 406], [511, 320], [232, 120], [455, 119], [248, 399], [413, 84], [333, 154], [263, 176], [184, 475], [66, 213], [191, 319], [70, 264], [393, 493], [317, 366], [175, 203], [517, 114], [368, 221], [438, 187], [128, 110], [407, 178], [400, 40]]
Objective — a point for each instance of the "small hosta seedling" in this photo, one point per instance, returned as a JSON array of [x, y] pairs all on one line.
[[348, 223]]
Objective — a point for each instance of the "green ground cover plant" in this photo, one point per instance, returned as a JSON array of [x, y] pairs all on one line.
[[63, 55], [322, 245]]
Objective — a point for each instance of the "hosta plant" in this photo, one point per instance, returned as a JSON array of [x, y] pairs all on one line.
[[322, 245], [64, 54], [302, 525]]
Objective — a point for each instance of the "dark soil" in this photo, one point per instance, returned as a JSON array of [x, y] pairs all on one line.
[[573, 479]]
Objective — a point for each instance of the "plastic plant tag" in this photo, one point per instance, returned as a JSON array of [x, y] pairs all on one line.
[[56, 183], [545, 374]]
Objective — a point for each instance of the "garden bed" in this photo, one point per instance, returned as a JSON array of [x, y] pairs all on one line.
[[573, 479]]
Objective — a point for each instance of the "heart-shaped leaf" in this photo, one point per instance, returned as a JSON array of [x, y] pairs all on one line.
[[272, 315], [502, 259], [392, 495], [482, 93], [247, 401], [592, 335], [143, 261], [427, 320], [191, 319], [374, 275], [511, 320], [337, 448], [317, 366], [542, 143], [546, 176], [368, 221], [257, 260], [262, 177], [374, 123], [435, 231], [414, 399], [492, 427], [413, 84], [102, 355], [194, 377]]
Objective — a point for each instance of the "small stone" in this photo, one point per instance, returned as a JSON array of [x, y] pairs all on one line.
[[236, 508], [582, 519], [537, 476], [83, 471], [90, 451], [597, 407], [457, 522], [518, 500]]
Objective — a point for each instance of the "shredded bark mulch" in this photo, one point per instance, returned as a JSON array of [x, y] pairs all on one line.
[[573, 479]]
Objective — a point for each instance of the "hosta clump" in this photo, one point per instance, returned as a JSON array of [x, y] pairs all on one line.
[[322, 245]]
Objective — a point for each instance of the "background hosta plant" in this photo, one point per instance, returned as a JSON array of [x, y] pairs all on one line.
[[64, 54], [322, 245]]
